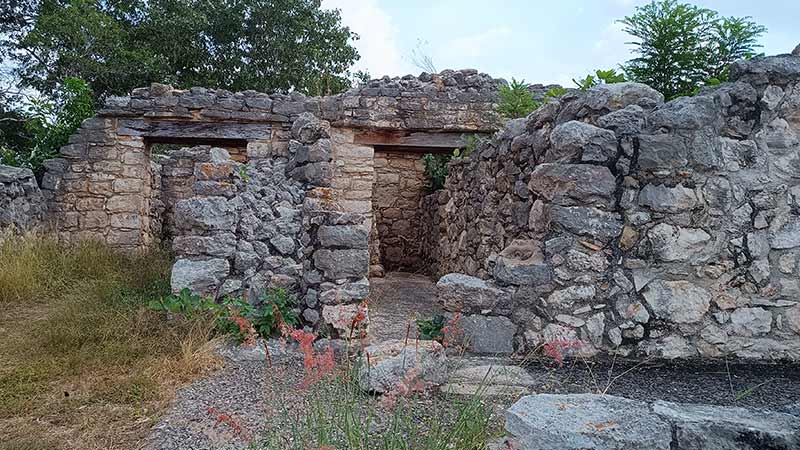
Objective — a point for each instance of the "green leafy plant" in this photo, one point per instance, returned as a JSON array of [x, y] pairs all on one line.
[[682, 46], [185, 303], [276, 306], [555, 92], [472, 142], [243, 173], [515, 100], [599, 77], [431, 329], [435, 170]]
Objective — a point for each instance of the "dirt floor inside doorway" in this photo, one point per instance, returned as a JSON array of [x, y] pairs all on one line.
[[396, 301]]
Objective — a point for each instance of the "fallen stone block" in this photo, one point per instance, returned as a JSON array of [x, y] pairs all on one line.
[[586, 421], [389, 363], [709, 427]]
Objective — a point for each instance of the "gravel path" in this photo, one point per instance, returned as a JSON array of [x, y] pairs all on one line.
[[223, 411]]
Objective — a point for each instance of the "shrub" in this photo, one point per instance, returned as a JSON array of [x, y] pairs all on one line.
[[554, 92], [435, 170], [234, 316], [431, 329], [515, 100], [682, 46], [599, 77], [472, 143]]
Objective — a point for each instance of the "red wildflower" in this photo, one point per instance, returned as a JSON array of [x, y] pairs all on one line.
[[555, 349], [407, 386], [226, 419], [246, 329], [452, 333], [358, 319]]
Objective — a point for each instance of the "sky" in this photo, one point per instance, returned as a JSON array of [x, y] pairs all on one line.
[[538, 41]]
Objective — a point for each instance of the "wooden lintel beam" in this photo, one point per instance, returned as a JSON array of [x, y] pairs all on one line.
[[418, 139]]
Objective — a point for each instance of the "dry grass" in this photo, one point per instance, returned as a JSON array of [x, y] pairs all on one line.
[[83, 364]]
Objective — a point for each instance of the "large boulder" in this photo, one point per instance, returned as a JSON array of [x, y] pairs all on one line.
[[616, 96], [566, 184], [662, 198], [670, 243], [575, 141], [489, 380], [587, 221], [598, 422], [206, 214], [338, 264], [489, 335], [389, 363], [343, 236]]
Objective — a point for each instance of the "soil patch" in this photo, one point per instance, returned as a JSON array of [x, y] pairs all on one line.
[[735, 384]]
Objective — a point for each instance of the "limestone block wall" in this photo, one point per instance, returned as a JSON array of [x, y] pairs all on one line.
[[399, 186], [619, 223], [22, 205], [101, 187]]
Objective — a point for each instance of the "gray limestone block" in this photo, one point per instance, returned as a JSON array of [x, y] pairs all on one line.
[[707, 427], [199, 276], [491, 335], [343, 236], [586, 421]]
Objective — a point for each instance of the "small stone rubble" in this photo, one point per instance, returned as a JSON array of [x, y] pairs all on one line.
[[598, 422]]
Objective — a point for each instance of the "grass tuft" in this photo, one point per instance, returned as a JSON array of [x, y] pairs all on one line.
[[82, 357]]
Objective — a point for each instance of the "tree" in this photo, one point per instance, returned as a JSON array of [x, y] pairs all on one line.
[[266, 45], [681, 46], [46, 126]]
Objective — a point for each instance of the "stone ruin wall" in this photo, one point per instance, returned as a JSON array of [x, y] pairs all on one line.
[[400, 184], [619, 223], [607, 218], [296, 214], [22, 205]]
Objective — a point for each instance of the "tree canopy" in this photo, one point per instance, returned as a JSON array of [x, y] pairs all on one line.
[[681, 46], [117, 45]]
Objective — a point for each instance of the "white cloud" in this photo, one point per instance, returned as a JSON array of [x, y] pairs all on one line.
[[378, 47], [612, 48], [475, 45]]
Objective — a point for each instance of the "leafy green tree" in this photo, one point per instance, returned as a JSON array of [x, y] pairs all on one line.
[[266, 45], [682, 46], [48, 124], [515, 100]]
